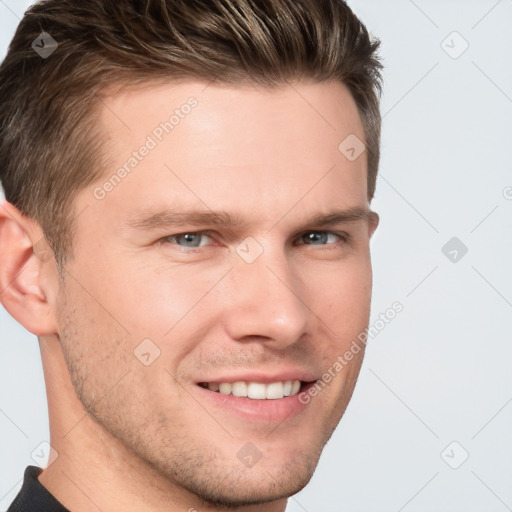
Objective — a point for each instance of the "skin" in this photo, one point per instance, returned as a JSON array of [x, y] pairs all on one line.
[[134, 437]]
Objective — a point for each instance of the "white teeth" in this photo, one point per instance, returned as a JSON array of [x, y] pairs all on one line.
[[239, 389], [225, 388], [275, 390], [257, 390]]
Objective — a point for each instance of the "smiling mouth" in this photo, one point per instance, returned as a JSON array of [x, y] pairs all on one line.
[[257, 390]]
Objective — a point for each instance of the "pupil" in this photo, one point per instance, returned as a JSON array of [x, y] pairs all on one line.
[[314, 236]]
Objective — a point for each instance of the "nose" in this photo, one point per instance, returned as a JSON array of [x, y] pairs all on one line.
[[267, 302]]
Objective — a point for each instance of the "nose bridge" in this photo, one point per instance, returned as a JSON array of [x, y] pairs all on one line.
[[266, 301]]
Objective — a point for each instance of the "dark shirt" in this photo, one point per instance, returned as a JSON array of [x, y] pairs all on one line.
[[33, 496]]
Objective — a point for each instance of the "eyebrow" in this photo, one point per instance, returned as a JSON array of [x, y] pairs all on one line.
[[170, 218]]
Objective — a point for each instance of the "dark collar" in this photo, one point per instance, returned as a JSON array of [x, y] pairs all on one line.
[[33, 496]]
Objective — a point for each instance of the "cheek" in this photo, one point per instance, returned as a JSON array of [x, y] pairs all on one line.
[[93, 344], [149, 300], [342, 295]]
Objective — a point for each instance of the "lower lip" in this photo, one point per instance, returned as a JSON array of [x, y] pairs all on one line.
[[268, 411]]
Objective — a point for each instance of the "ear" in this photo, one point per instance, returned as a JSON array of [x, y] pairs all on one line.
[[374, 222], [28, 272]]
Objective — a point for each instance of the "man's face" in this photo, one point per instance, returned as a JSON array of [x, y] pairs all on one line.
[[152, 311]]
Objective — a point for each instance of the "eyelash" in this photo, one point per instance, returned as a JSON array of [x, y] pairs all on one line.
[[344, 238]]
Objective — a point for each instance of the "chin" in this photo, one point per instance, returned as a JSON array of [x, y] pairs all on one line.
[[252, 486]]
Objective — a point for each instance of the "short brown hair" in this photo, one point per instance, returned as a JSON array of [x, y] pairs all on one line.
[[49, 147]]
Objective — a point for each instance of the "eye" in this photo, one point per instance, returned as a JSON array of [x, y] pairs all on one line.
[[190, 240], [322, 236]]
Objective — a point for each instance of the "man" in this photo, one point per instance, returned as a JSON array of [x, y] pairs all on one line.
[[186, 230]]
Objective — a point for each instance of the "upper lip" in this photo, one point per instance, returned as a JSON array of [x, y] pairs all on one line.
[[264, 377]]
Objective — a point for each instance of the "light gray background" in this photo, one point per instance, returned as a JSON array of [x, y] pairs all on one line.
[[440, 371]]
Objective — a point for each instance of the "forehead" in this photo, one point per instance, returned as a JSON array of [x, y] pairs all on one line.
[[222, 109], [246, 146]]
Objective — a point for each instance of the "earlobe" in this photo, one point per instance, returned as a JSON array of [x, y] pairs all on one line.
[[23, 257]]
